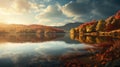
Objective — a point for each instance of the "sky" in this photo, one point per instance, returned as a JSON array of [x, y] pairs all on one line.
[[55, 12]]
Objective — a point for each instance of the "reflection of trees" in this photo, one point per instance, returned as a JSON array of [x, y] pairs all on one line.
[[75, 63], [91, 39], [108, 54], [108, 49], [29, 37]]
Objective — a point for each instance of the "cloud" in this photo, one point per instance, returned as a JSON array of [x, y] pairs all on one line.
[[55, 14], [51, 12], [86, 10], [78, 10], [37, 7], [51, 15], [47, 0], [18, 6], [21, 5], [72, 9], [14, 6], [19, 11], [83, 1], [106, 8]]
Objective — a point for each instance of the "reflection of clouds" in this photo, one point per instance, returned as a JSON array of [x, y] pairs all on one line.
[[50, 49], [13, 55], [46, 48], [28, 53], [80, 46], [55, 49], [14, 51]]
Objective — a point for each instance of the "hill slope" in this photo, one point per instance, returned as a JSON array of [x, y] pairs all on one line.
[[111, 24], [68, 26], [18, 28]]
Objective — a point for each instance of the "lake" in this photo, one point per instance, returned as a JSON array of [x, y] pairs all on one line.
[[58, 50]]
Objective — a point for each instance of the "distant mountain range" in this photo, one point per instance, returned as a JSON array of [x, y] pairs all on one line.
[[68, 26]]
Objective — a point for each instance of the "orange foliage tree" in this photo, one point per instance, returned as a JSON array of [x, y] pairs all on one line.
[[117, 16]]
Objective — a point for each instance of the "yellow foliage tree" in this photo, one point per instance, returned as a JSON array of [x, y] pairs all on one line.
[[100, 25]]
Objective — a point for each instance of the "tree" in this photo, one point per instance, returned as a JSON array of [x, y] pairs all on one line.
[[109, 27], [100, 25], [117, 16], [114, 24], [89, 28], [86, 27], [109, 20], [72, 31]]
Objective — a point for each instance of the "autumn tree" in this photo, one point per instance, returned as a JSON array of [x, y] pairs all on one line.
[[72, 31], [112, 23], [86, 27], [82, 28], [117, 15], [91, 26], [100, 25]]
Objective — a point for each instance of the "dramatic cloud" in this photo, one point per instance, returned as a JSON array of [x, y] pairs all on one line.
[[75, 9], [18, 6], [106, 8], [37, 7], [21, 5], [19, 11], [86, 10], [51, 15], [56, 12], [13, 5], [78, 10]]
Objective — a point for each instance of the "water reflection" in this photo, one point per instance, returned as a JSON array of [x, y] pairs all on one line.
[[29, 51], [43, 54], [93, 39], [108, 50], [21, 38]]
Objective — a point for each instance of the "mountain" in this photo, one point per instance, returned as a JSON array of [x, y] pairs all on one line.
[[19, 28], [109, 25], [68, 26]]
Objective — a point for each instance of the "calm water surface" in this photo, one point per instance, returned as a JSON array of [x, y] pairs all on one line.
[[59, 51]]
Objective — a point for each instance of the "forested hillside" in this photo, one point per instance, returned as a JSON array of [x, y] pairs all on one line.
[[111, 24], [17, 28]]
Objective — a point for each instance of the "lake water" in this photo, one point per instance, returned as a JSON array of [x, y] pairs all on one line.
[[58, 50]]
